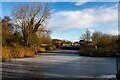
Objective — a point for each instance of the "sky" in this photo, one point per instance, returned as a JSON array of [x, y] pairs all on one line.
[[69, 20]]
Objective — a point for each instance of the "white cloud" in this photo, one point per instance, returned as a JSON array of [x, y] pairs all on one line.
[[113, 32], [86, 18], [81, 2]]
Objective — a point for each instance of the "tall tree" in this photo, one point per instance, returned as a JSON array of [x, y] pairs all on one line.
[[96, 37], [86, 35], [101, 39], [7, 29], [29, 18], [0, 32]]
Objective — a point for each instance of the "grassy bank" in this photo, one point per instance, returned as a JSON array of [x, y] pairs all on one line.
[[18, 51]]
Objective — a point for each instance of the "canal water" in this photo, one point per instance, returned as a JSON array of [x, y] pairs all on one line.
[[60, 64]]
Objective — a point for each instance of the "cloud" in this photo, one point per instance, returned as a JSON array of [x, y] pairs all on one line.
[[81, 2], [90, 17], [113, 32]]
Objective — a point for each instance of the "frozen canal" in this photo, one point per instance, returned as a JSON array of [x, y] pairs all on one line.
[[60, 63]]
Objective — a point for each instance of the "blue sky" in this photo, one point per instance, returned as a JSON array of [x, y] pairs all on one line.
[[70, 19]]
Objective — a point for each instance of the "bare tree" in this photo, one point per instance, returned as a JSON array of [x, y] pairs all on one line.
[[29, 18], [7, 30], [96, 37], [86, 35], [0, 31]]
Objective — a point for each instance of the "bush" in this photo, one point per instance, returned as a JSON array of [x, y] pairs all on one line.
[[46, 48], [6, 53], [41, 49], [29, 52], [98, 52], [16, 51], [49, 48]]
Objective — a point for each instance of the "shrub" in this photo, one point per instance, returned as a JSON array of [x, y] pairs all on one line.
[[41, 49], [98, 52], [6, 53], [29, 52], [16, 51]]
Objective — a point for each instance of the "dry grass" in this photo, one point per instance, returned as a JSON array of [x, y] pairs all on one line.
[[16, 51], [42, 49], [6, 53], [47, 48], [99, 52]]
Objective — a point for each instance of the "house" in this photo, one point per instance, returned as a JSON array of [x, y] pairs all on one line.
[[76, 43], [61, 43]]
